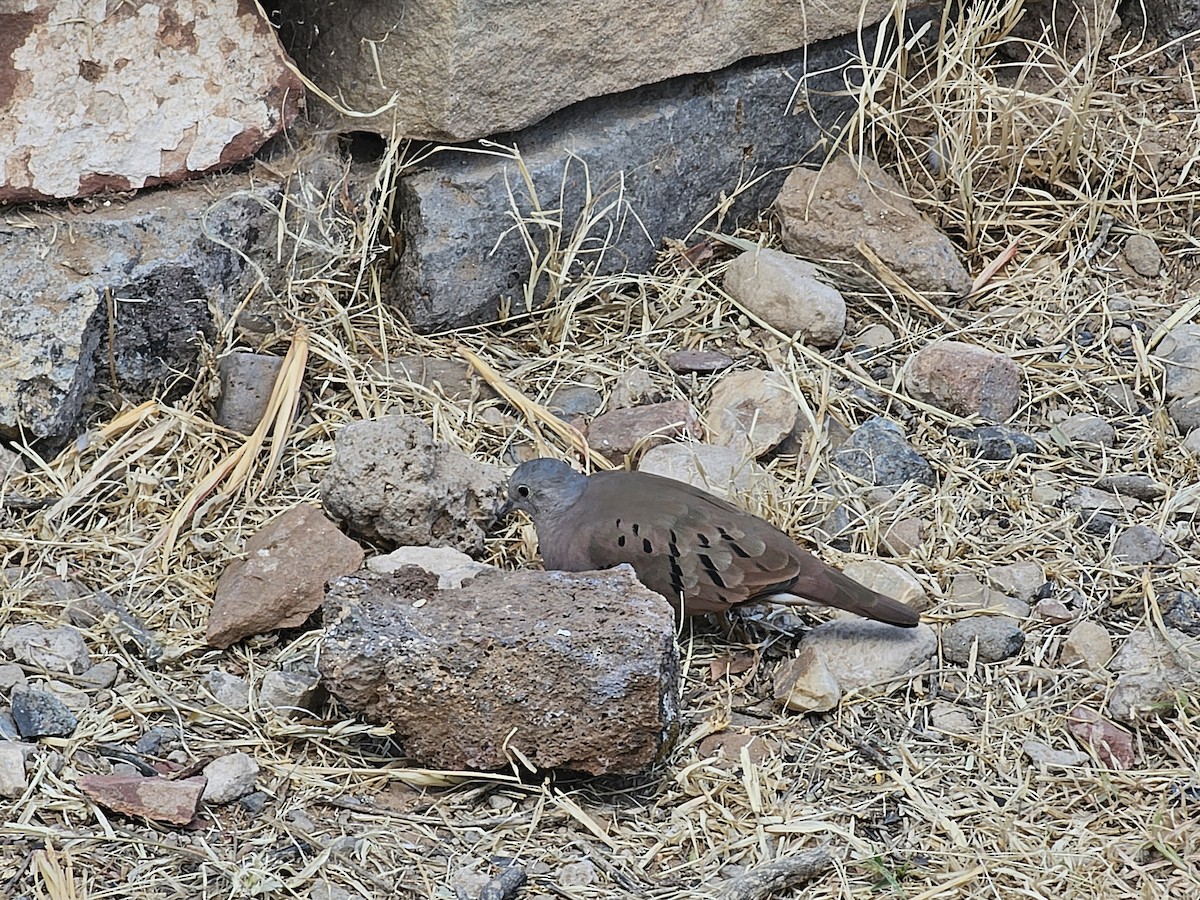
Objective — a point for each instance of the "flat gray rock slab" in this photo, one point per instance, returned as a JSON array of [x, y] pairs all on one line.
[[658, 160]]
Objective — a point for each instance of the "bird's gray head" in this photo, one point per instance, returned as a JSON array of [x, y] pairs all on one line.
[[543, 487]]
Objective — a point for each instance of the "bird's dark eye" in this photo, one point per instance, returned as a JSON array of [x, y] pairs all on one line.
[[523, 490]]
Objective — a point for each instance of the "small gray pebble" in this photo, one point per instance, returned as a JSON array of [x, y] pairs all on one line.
[[999, 638]]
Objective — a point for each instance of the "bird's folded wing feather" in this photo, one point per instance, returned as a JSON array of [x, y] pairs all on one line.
[[682, 541]]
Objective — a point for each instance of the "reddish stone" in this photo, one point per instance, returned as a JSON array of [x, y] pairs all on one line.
[[158, 799], [281, 580], [1113, 744]]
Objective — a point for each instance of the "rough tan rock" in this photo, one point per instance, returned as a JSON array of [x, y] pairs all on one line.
[[391, 483], [889, 580], [751, 412], [13, 781], [786, 293], [281, 580], [103, 97], [1156, 670], [454, 70], [1089, 645], [845, 655], [573, 670], [827, 214]]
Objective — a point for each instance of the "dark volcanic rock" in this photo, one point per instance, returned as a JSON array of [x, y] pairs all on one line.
[[878, 453]]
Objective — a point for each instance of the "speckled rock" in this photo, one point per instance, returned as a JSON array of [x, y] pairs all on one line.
[[999, 637], [828, 214], [575, 670], [391, 483], [114, 98], [878, 453], [965, 380]]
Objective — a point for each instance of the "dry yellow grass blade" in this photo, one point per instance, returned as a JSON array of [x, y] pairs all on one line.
[[535, 414], [56, 878], [234, 470], [130, 447]]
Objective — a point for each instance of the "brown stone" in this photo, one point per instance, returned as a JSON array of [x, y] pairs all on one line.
[[570, 670], [1113, 745], [699, 361], [157, 799], [965, 380], [281, 580], [103, 97], [618, 431]]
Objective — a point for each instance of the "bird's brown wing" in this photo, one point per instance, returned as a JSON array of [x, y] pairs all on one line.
[[686, 543]]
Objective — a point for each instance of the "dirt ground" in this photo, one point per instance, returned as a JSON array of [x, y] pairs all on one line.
[[1003, 144]]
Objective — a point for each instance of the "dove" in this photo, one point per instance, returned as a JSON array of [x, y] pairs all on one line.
[[703, 554]]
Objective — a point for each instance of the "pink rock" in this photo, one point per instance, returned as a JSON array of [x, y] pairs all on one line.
[[1113, 744], [115, 97], [281, 581], [158, 799], [617, 432], [965, 380]]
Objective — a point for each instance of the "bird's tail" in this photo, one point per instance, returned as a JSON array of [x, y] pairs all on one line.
[[848, 594]]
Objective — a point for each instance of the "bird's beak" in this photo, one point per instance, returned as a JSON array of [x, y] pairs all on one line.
[[504, 510]]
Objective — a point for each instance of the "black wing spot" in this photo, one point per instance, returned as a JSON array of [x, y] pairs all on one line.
[[673, 562], [621, 541], [702, 538], [618, 523], [647, 547], [732, 542], [635, 529], [676, 575], [710, 570]]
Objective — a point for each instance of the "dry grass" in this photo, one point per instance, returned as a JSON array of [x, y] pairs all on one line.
[[1061, 157]]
